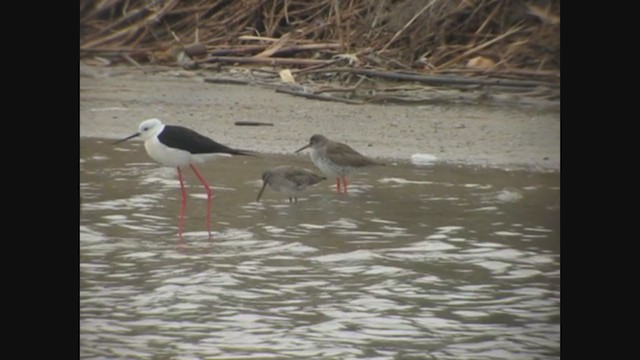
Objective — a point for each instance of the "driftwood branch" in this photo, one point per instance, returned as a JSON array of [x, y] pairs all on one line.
[[434, 79], [227, 81], [447, 79], [302, 93], [265, 61], [285, 50]]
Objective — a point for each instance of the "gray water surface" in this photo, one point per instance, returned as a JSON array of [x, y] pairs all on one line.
[[438, 262]]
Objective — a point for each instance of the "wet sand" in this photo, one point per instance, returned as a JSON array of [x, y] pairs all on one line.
[[113, 101]]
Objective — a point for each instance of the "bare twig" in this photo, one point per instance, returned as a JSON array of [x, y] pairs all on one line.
[[265, 61], [407, 25], [511, 31], [287, 90]]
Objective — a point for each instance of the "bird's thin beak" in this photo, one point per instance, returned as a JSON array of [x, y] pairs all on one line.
[[302, 148], [127, 138], [264, 184]]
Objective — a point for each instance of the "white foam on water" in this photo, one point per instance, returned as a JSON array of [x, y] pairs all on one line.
[[437, 237], [394, 229], [428, 245], [508, 196], [495, 266], [487, 244], [478, 186], [92, 266], [386, 270], [312, 226], [434, 323], [178, 255], [485, 208], [402, 181], [538, 229], [507, 233], [151, 217], [520, 274], [115, 218], [448, 229], [449, 198], [382, 221], [234, 234], [103, 326], [185, 306], [141, 229], [531, 236], [276, 247], [146, 164], [370, 235], [357, 255], [140, 255], [142, 202], [423, 159], [343, 223], [119, 149], [428, 279], [90, 235], [471, 313], [129, 353], [273, 229], [505, 254], [539, 259]]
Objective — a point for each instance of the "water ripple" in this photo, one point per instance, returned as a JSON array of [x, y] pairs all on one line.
[[424, 262]]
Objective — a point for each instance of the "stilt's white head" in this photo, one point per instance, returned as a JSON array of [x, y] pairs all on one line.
[[149, 128], [146, 130]]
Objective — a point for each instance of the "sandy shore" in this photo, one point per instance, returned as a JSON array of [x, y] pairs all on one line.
[[114, 100]]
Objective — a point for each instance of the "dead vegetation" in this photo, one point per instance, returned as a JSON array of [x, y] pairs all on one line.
[[432, 42]]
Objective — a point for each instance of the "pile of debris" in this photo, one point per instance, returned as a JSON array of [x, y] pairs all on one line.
[[512, 44]]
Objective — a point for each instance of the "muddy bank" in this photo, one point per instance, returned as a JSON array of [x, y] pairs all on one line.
[[113, 101]]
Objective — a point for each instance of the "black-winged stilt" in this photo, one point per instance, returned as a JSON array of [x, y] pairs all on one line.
[[289, 180], [177, 146], [336, 159]]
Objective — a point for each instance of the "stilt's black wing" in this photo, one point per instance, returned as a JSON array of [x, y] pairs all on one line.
[[179, 137]]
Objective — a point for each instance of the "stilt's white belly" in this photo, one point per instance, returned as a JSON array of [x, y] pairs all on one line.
[[165, 155]]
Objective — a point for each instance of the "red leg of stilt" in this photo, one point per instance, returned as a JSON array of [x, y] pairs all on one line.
[[344, 181], [184, 204], [209, 193], [338, 185]]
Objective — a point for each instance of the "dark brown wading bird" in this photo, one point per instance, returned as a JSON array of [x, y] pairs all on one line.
[[336, 159], [289, 180]]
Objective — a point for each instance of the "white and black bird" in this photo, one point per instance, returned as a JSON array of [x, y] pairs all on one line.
[[289, 180], [177, 146]]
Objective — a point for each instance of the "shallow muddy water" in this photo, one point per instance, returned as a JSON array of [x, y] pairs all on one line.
[[441, 262]]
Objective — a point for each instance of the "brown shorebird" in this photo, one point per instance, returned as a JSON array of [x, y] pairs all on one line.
[[177, 146], [289, 180], [336, 159]]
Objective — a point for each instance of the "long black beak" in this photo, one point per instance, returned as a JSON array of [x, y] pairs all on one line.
[[264, 184], [302, 148], [127, 138]]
